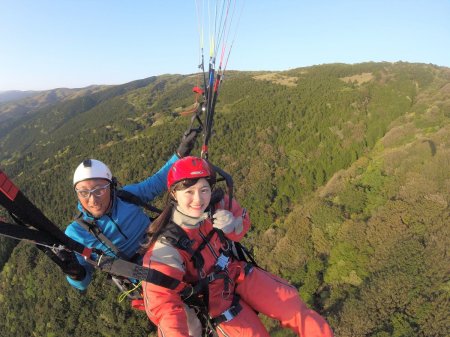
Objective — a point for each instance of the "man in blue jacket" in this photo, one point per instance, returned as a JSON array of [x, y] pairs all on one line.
[[107, 222]]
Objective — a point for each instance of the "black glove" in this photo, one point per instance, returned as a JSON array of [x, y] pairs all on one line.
[[70, 265], [187, 143]]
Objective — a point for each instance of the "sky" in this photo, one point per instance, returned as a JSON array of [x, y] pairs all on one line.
[[47, 44]]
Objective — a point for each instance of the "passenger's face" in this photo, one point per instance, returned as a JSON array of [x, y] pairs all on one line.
[[195, 199]]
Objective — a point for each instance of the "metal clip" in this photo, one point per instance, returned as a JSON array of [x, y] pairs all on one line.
[[228, 315], [222, 261]]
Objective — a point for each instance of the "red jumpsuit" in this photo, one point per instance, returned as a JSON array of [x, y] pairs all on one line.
[[259, 290]]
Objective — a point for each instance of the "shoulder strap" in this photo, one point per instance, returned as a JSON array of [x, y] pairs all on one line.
[[95, 230], [177, 237], [134, 199]]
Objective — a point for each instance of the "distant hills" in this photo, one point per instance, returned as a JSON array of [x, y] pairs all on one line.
[[15, 104], [14, 95], [343, 169]]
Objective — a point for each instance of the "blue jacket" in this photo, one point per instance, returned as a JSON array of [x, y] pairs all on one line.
[[126, 224]]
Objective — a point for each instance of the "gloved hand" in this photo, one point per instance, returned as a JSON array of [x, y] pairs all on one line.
[[225, 221], [70, 265], [187, 142]]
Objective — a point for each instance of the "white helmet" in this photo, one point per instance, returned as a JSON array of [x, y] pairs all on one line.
[[91, 169]]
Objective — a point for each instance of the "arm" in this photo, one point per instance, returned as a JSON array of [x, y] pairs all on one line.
[[235, 223], [156, 184], [164, 306], [153, 186]]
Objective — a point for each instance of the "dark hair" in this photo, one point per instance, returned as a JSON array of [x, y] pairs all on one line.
[[157, 226]]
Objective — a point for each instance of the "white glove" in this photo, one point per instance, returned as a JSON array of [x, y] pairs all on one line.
[[225, 221]]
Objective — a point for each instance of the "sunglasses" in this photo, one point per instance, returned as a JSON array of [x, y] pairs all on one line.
[[96, 192]]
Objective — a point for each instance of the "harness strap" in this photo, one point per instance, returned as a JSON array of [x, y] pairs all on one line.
[[27, 233], [197, 257], [197, 295], [228, 314], [134, 199], [202, 284], [177, 237], [97, 232], [243, 254], [124, 268]]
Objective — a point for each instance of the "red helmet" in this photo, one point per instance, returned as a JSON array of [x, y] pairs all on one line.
[[188, 168]]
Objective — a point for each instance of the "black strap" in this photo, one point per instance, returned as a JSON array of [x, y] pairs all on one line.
[[105, 263], [202, 284], [228, 314], [42, 240], [27, 233], [177, 238], [243, 254], [123, 268], [93, 228], [134, 199], [197, 257]]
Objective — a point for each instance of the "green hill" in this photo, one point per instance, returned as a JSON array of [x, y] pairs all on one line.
[[344, 170]]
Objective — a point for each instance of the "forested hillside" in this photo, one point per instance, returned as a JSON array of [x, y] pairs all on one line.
[[343, 168]]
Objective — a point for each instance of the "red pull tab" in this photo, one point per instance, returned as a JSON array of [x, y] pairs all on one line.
[[138, 304], [197, 90], [87, 253], [7, 187]]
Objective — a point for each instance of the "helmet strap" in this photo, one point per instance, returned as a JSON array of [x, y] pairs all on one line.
[[112, 196], [114, 183]]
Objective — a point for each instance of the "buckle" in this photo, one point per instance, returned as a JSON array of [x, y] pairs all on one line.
[[187, 292], [228, 315], [211, 277], [222, 261], [185, 243]]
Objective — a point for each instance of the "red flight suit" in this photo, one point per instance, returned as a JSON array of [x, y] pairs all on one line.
[[258, 290]]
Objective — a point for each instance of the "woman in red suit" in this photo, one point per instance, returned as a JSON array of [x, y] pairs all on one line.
[[191, 242]]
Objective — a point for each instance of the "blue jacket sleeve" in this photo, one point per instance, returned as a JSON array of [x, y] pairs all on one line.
[[155, 185]]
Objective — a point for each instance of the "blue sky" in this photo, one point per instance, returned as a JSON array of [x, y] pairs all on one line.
[[47, 44]]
